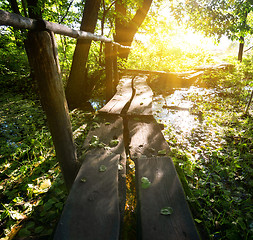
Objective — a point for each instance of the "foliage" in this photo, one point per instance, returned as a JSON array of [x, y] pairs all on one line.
[[162, 46], [216, 155], [14, 68], [32, 188], [215, 18]]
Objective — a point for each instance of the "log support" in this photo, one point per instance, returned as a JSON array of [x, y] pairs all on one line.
[[44, 60]]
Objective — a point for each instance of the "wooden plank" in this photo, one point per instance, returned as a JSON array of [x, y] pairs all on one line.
[[146, 137], [164, 191], [92, 208], [107, 128], [149, 149], [142, 101], [121, 98]]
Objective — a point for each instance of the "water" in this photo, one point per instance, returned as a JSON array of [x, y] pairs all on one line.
[[180, 117]]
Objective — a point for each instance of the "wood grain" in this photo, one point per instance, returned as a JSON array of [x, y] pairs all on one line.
[[165, 191], [44, 60], [92, 208], [146, 138], [142, 101], [147, 144], [121, 98], [109, 127]]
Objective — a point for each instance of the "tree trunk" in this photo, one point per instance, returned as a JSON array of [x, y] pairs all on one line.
[[77, 91], [125, 30], [15, 9], [241, 45], [44, 59]]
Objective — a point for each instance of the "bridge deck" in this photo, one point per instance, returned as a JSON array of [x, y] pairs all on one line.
[[95, 206]]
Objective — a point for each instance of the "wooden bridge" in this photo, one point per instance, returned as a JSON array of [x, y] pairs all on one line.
[[96, 201], [126, 128]]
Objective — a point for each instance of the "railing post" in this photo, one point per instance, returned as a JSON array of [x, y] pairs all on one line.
[[44, 60], [115, 68], [109, 70]]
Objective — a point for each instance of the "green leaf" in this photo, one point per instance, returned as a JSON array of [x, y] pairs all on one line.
[[24, 232], [145, 183], [162, 152], [197, 220], [39, 229], [102, 168], [95, 125], [166, 211], [83, 179], [94, 139], [132, 165], [114, 143]]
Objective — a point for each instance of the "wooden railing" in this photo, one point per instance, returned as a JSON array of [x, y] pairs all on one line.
[[44, 60]]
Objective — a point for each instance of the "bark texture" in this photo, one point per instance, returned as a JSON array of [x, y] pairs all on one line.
[[77, 89], [44, 59], [125, 30], [241, 46]]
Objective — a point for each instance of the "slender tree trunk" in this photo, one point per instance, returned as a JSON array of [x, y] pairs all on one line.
[[15, 9], [77, 89], [125, 30], [241, 45]]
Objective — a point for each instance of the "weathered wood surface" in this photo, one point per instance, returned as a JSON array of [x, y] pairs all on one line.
[[15, 20], [142, 100], [146, 137], [149, 149], [44, 59], [121, 98], [165, 191], [122, 120], [92, 208], [115, 68]]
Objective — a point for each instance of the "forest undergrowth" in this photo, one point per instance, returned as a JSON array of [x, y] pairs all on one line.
[[214, 161]]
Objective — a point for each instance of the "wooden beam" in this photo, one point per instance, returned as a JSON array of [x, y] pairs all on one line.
[[44, 60], [15, 20], [96, 202], [150, 151]]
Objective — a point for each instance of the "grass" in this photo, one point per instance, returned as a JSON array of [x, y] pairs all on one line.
[[216, 157], [32, 187], [214, 161]]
